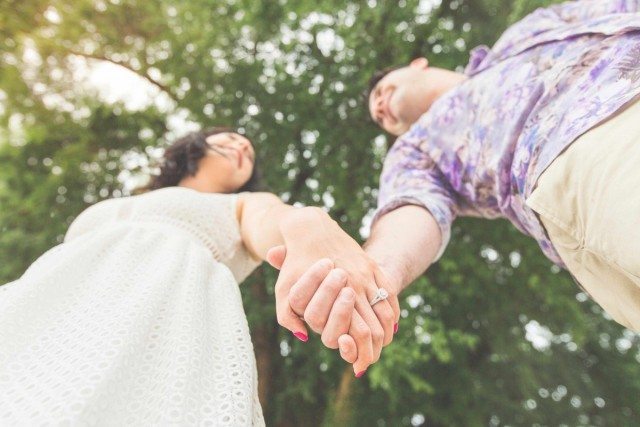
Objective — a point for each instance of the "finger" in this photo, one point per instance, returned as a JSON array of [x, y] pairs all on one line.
[[290, 320], [382, 310], [395, 306], [339, 318], [307, 285], [318, 309], [361, 334], [285, 315], [386, 319], [348, 348], [392, 299], [371, 319], [276, 255]]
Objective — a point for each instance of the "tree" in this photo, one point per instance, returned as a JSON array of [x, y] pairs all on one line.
[[492, 334]]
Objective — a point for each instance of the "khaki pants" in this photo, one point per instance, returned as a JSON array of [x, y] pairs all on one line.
[[588, 200]]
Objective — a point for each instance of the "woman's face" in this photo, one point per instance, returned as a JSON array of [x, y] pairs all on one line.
[[230, 161]]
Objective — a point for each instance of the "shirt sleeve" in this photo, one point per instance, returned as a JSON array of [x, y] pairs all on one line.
[[555, 17], [580, 11], [411, 177], [558, 22]]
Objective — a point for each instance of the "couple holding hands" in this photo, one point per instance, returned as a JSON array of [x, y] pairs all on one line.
[[137, 318]]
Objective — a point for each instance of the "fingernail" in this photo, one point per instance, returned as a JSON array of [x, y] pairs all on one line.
[[361, 373], [395, 328], [302, 337]]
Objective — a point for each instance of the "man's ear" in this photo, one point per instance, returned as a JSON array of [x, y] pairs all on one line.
[[421, 63]]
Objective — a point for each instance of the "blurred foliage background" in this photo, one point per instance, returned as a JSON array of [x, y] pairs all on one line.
[[491, 335]]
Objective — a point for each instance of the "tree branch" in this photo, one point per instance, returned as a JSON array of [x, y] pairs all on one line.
[[145, 76]]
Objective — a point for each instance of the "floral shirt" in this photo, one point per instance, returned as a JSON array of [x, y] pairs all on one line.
[[481, 147]]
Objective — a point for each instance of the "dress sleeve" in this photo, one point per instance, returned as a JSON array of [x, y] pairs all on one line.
[[411, 177]]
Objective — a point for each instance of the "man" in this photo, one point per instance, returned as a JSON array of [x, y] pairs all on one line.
[[543, 129]]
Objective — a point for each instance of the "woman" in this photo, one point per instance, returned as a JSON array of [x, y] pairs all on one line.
[[137, 317]]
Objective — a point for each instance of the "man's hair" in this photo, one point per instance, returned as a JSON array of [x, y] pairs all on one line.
[[374, 80]]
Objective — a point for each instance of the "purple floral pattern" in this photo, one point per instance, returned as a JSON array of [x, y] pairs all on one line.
[[481, 147]]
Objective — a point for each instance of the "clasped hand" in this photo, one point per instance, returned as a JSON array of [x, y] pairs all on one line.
[[326, 282]]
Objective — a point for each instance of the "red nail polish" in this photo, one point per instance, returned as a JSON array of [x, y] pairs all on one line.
[[361, 373], [302, 337], [395, 328]]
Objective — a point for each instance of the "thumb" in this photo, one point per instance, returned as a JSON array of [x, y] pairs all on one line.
[[276, 255]]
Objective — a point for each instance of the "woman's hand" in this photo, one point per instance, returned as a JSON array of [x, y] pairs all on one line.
[[308, 289], [309, 235]]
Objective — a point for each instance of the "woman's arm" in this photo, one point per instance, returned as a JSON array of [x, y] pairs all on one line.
[[259, 216]]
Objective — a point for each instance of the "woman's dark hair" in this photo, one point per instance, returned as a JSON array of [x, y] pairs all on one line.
[[181, 159]]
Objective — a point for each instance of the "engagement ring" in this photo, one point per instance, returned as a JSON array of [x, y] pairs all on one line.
[[381, 294]]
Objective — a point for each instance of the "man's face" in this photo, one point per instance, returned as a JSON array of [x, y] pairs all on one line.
[[401, 97]]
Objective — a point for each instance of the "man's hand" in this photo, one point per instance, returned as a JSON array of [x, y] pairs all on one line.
[[309, 289]]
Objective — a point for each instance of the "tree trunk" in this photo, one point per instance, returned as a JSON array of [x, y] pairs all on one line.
[[264, 342], [340, 415]]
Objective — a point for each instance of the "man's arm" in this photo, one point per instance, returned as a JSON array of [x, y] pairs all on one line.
[[404, 243]]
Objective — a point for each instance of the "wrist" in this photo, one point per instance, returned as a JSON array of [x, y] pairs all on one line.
[[305, 220], [394, 274], [392, 267]]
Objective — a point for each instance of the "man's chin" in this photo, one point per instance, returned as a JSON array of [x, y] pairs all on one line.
[[398, 131]]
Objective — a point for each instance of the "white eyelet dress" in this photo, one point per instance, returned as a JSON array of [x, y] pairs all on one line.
[[136, 319]]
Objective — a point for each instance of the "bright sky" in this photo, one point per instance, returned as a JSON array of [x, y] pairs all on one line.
[[115, 83]]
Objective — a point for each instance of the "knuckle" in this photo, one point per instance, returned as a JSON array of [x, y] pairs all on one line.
[[349, 278], [347, 295], [316, 276], [314, 320], [377, 335], [363, 334], [319, 270], [387, 317], [297, 301], [329, 342], [339, 273], [329, 287], [334, 283], [345, 354]]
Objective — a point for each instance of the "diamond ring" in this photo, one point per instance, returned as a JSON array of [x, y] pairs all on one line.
[[381, 295]]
